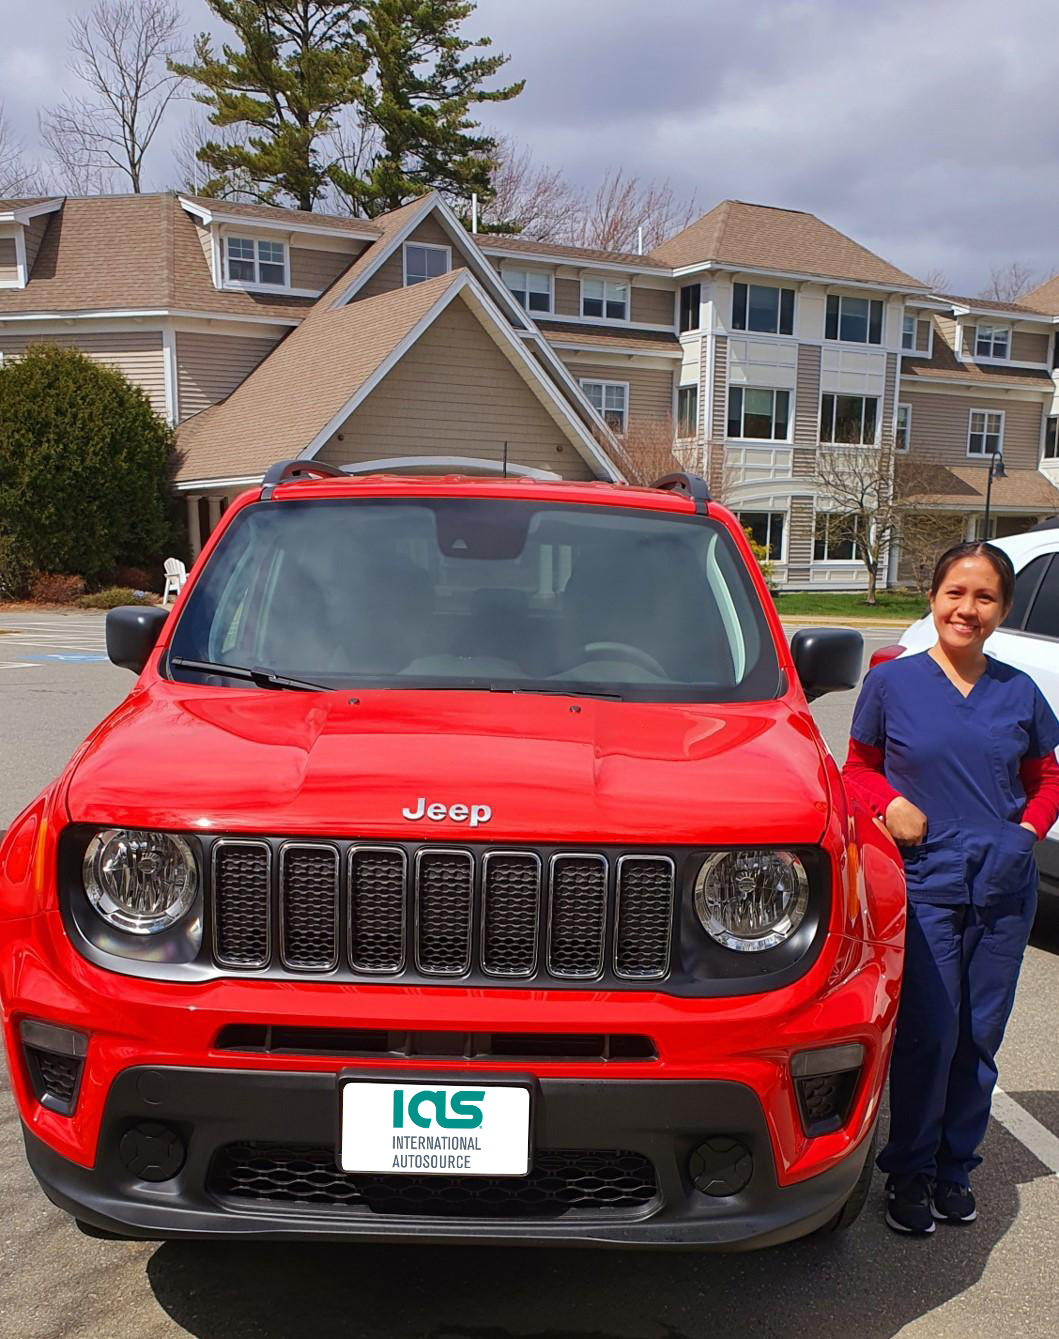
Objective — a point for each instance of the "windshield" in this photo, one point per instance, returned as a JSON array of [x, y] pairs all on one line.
[[480, 593]]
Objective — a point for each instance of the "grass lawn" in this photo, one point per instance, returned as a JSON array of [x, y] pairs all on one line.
[[889, 604]]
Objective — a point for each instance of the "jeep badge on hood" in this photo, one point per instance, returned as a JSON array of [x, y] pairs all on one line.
[[458, 813]]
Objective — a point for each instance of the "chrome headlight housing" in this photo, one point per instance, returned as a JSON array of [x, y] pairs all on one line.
[[751, 900], [138, 881]]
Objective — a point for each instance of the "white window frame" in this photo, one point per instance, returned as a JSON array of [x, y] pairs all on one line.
[[772, 390], [910, 349], [770, 512], [257, 281], [778, 289], [903, 450], [424, 246], [984, 432], [687, 437], [849, 445], [844, 562], [623, 386], [860, 343], [608, 284], [1049, 418], [993, 328], [507, 272]]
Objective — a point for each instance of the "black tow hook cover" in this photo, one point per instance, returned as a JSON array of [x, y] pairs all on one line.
[[152, 1151], [721, 1166]]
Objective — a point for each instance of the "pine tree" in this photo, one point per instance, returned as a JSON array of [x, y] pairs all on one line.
[[300, 64], [417, 99]]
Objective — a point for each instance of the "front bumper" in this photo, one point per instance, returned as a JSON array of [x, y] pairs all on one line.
[[663, 1121], [1047, 853]]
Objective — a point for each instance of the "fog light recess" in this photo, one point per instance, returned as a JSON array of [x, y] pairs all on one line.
[[825, 1082], [55, 1057], [152, 1151], [721, 1166]]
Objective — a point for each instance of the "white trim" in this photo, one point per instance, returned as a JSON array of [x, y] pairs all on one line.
[[140, 314], [390, 463], [610, 348], [914, 352], [607, 283], [233, 286], [1047, 386], [773, 391], [769, 512], [423, 246], [985, 455], [580, 262], [258, 285], [1001, 314], [238, 481], [903, 450], [513, 269], [614, 321], [693, 436], [607, 384], [1048, 460], [211, 216], [851, 395], [726, 267], [792, 334], [217, 251], [28, 212], [21, 263], [866, 343], [993, 327], [169, 369], [388, 245]]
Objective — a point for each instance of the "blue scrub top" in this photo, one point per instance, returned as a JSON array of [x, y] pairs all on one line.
[[958, 760]]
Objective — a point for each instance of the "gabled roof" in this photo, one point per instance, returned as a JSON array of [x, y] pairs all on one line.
[[310, 383], [557, 251], [788, 241], [1045, 297]]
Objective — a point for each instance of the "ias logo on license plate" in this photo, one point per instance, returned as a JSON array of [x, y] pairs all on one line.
[[466, 1107]]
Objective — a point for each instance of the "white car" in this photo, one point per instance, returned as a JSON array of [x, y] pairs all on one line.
[[1028, 639]]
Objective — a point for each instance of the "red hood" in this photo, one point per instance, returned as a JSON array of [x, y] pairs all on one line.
[[182, 757]]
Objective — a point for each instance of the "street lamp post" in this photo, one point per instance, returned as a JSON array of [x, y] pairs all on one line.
[[996, 467]]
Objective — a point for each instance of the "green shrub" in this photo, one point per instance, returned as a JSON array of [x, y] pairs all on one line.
[[84, 464], [16, 569], [113, 596], [56, 588]]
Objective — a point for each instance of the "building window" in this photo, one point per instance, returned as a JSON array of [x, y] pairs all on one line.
[[687, 411], [855, 320], [903, 428], [834, 538], [762, 308], [422, 262], [766, 529], [610, 399], [251, 261], [600, 297], [531, 289], [991, 341], [1051, 439], [758, 414], [915, 334], [690, 301], [849, 420], [985, 433]]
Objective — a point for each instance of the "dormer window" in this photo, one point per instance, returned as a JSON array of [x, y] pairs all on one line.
[[992, 341], [252, 261], [602, 298], [423, 262], [531, 289], [916, 334]]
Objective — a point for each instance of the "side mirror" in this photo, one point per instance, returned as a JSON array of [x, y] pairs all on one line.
[[828, 660], [132, 631]]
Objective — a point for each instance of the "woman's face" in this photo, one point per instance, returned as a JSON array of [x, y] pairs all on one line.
[[968, 606]]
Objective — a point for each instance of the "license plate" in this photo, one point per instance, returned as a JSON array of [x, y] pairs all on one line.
[[434, 1129]]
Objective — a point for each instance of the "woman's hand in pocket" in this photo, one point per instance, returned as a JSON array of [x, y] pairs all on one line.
[[1029, 828], [906, 824]]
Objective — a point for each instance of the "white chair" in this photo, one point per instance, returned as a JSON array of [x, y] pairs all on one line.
[[175, 576]]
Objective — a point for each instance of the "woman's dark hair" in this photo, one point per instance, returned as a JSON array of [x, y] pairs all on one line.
[[977, 548]]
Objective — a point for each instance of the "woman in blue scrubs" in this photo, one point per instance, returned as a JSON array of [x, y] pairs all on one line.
[[955, 752]]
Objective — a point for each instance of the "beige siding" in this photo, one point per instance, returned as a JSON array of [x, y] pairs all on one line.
[[455, 393], [1027, 347], [567, 297], [137, 353], [807, 408], [209, 367], [35, 230], [799, 539], [206, 242], [8, 259], [945, 329], [715, 460], [390, 274], [886, 428], [652, 306], [940, 425], [650, 390], [317, 269]]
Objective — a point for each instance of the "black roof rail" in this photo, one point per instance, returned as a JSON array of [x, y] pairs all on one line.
[[1049, 523], [286, 470], [693, 485]]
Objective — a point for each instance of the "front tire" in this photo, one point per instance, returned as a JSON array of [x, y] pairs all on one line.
[[850, 1211]]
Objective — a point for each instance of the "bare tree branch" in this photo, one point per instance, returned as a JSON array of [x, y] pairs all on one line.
[[192, 173], [536, 202], [18, 176], [120, 52], [936, 280], [1008, 282], [623, 205]]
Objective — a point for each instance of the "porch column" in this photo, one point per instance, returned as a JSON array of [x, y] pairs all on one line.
[[215, 512], [194, 535]]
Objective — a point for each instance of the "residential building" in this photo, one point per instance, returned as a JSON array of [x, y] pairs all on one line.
[[754, 340]]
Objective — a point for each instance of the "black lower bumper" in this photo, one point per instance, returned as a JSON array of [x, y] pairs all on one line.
[[213, 1111], [1047, 853]]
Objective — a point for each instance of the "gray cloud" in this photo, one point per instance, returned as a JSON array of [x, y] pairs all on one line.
[[926, 130]]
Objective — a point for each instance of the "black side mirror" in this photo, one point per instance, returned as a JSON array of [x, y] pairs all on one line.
[[132, 631], [828, 660]]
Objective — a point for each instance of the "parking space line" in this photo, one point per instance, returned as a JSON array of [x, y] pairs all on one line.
[[18, 664], [1027, 1130]]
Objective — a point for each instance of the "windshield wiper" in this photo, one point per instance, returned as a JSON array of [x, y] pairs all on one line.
[[559, 692], [264, 678]]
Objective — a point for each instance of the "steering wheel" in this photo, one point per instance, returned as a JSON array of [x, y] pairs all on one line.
[[623, 651]]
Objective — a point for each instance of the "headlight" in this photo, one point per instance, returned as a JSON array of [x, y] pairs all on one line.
[[140, 882], [751, 900]]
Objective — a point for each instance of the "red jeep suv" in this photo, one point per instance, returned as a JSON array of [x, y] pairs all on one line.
[[465, 864]]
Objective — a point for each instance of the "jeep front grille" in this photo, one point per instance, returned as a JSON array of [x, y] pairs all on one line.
[[440, 912]]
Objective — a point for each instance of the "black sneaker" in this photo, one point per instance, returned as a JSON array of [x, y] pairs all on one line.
[[908, 1205], [953, 1203]]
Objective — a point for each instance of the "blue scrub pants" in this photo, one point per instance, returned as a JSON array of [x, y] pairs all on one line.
[[961, 969]]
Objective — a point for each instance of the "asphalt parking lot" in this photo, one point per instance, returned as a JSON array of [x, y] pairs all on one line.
[[997, 1277]]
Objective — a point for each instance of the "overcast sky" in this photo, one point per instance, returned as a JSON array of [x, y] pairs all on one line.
[[925, 129]]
